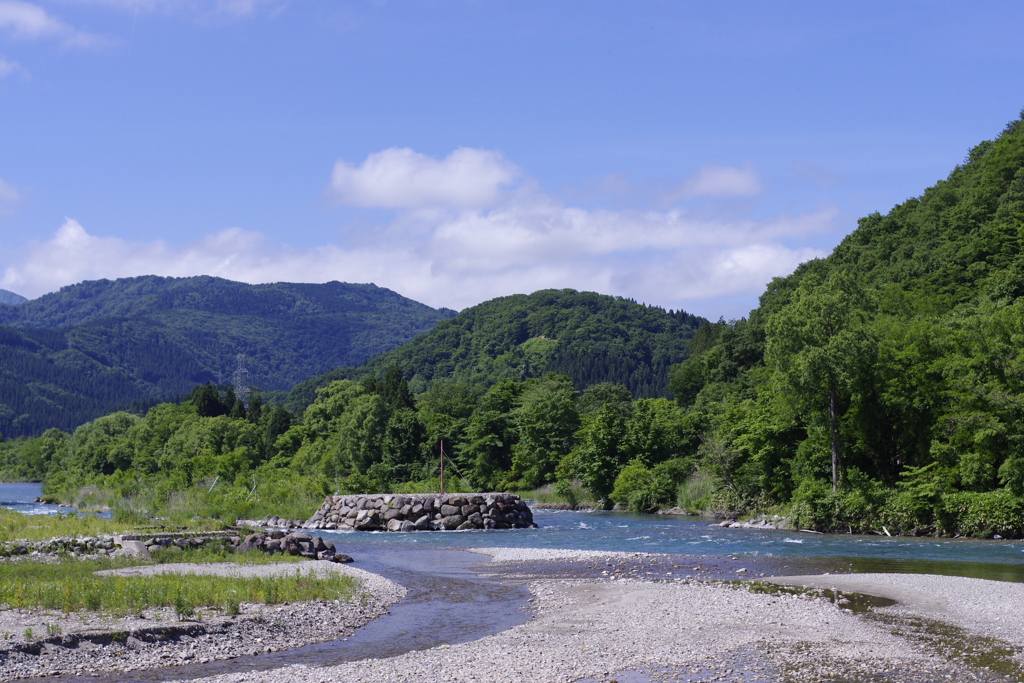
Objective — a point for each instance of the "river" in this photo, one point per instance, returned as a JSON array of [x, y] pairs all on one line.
[[457, 588]]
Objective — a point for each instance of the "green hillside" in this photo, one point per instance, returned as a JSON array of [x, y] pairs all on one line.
[[884, 385], [591, 338], [99, 346], [10, 298]]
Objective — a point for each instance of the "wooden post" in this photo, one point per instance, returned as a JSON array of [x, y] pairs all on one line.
[[442, 465]]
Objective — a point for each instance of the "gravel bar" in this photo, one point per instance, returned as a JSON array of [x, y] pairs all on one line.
[[92, 643], [673, 630], [632, 629]]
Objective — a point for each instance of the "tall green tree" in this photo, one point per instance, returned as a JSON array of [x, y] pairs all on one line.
[[820, 349], [547, 420]]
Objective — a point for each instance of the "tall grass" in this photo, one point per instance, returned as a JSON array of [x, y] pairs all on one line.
[[74, 587], [15, 525], [697, 494], [573, 494], [276, 493]]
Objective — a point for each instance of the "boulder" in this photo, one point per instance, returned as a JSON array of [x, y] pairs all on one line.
[[451, 522]]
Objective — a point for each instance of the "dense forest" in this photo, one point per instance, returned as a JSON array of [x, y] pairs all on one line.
[[879, 389], [591, 338], [883, 386], [100, 346]]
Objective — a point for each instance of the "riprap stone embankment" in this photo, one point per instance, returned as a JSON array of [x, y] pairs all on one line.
[[422, 512]]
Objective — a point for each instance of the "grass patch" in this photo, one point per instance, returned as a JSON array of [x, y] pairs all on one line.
[[74, 587], [18, 526], [133, 499], [572, 494]]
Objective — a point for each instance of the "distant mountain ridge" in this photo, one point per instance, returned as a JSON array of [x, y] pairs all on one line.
[[10, 298], [591, 337], [99, 346]]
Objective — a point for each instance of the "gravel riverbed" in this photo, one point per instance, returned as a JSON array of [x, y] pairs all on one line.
[[629, 628], [95, 643]]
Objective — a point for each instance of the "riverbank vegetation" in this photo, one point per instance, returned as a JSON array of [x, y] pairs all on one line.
[[878, 389], [72, 587]]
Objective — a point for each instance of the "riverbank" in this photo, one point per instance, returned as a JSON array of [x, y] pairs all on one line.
[[680, 629], [593, 616], [91, 643]]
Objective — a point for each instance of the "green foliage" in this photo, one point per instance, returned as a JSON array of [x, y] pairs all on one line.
[[696, 494], [983, 514]]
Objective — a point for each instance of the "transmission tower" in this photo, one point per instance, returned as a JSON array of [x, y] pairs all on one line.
[[242, 381]]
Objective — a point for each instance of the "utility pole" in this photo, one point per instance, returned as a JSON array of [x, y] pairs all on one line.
[[242, 381]]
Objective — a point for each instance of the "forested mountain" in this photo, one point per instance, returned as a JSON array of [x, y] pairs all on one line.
[[99, 346], [885, 383], [10, 298], [591, 338]]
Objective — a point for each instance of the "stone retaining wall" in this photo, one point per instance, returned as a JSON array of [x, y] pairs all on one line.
[[422, 512]]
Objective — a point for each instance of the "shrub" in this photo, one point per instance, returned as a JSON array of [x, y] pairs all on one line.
[[982, 515], [183, 607], [633, 485], [696, 493]]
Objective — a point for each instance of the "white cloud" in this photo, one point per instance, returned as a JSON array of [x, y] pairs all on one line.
[[461, 238], [26, 21], [8, 195], [402, 178], [714, 180], [663, 258], [9, 68]]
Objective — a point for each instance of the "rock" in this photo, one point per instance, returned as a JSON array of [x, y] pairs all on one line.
[[452, 522]]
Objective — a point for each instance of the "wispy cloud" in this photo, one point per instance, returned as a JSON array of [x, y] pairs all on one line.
[[8, 194], [714, 180], [9, 68], [402, 178], [195, 8], [26, 21]]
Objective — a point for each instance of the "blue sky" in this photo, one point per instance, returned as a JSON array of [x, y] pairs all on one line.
[[679, 153]]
